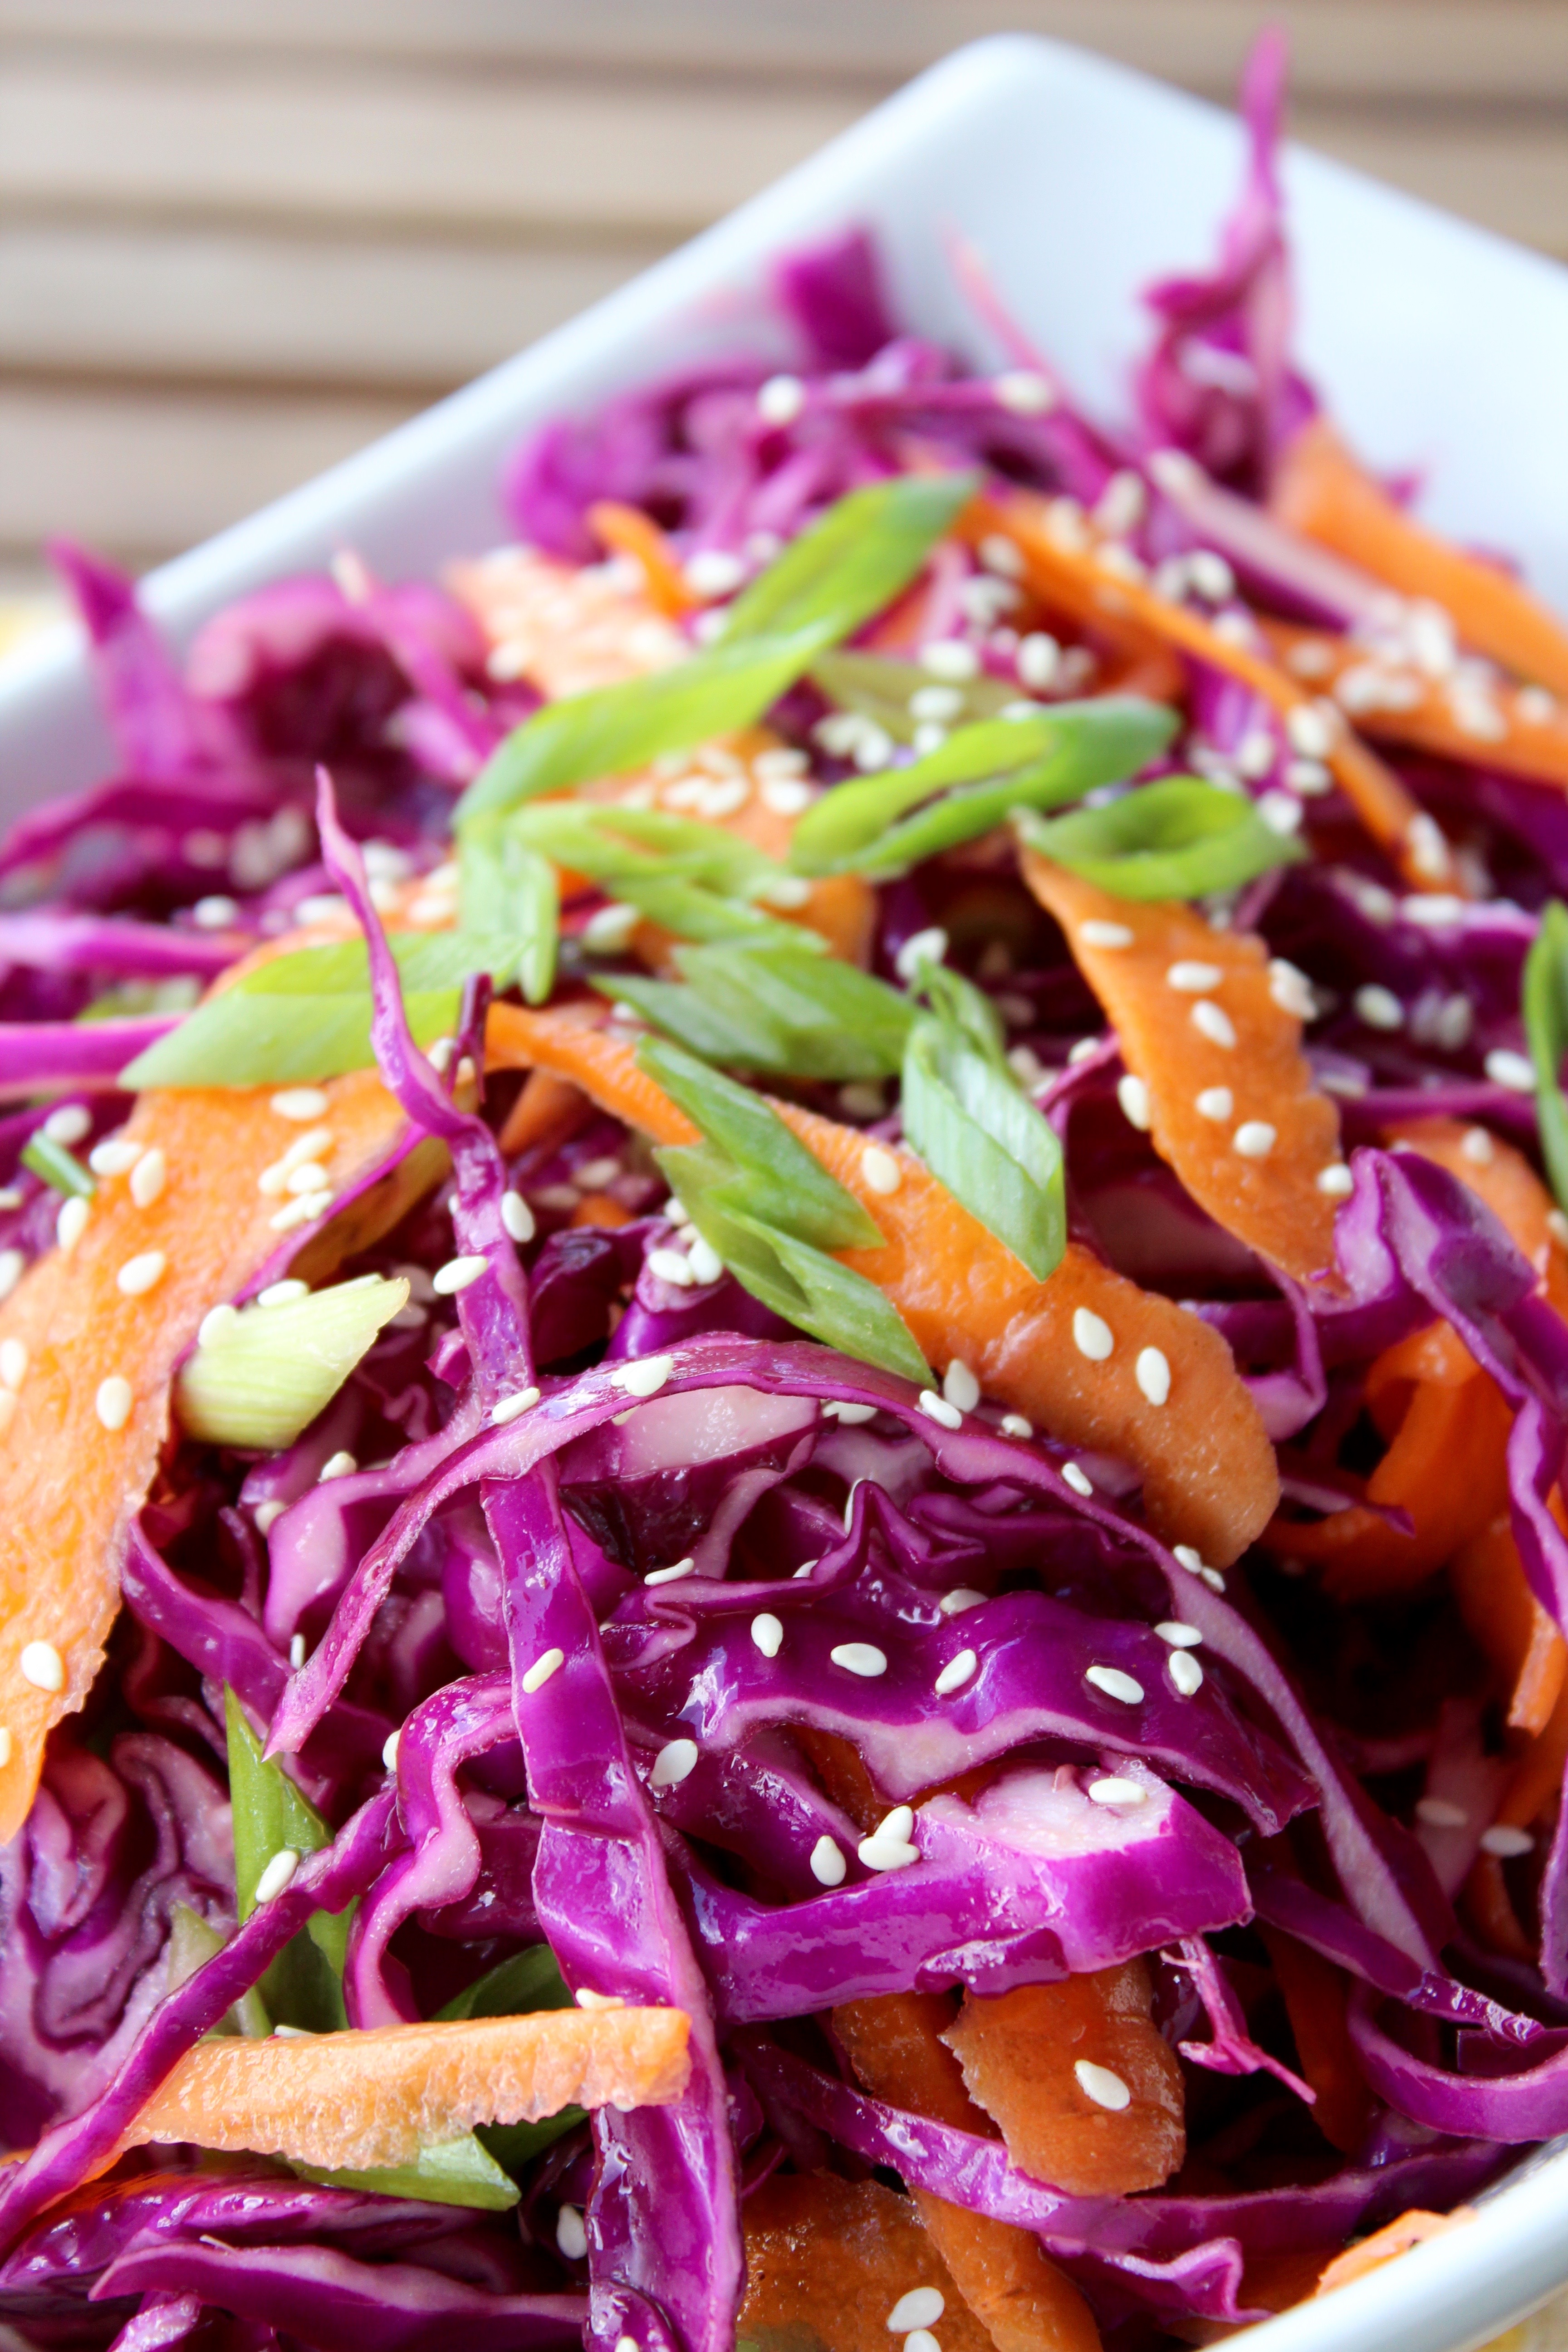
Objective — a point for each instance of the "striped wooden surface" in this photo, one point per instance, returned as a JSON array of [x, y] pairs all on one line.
[[237, 237]]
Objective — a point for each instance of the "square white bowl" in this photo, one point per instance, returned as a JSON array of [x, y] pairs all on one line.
[[1436, 343]]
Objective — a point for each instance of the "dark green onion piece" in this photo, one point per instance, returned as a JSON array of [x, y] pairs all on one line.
[[881, 689], [304, 1984], [1544, 1002], [1179, 839], [965, 1114], [460, 2171], [193, 1942], [530, 1981], [57, 1166], [862, 553], [781, 1182]]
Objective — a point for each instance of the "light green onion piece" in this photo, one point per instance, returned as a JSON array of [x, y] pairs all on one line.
[[1069, 750], [530, 1981], [265, 1376], [609, 844], [456, 2172], [718, 1034], [780, 1011], [57, 1166], [777, 1178], [243, 1041], [303, 1986], [690, 912], [881, 689], [508, 893], [1543, 1003], [1179, 839], [862, 553], [977, 1132], [193, 1942]]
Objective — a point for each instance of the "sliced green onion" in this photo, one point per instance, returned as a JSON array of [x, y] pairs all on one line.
[[862, 553], [777, 1178], [609, 844], [530, 1981], [783, 1011], [265, 1374], [57, 1166], [508, 893], [1179, 839], [690, 912], [303, 1986], [1068, 749], [242, 1041], [976, 1131], [193, 1942], [1543, 1003], [960, 1006], [457, 2172], [841, 1309], [882, 690], [717, 1035]]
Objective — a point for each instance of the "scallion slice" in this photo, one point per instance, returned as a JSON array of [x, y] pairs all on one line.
[[57, 1166], [1179, 839], [271, 1816], [1543, 1004], [265, 1376], [862, 553], [882, 690], [965, 1114], [780, 1011]]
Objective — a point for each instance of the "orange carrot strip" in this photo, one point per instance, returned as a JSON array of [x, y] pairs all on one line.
[[565, 629], [894, 2044], [827, 2260], [626, 531], [1315, 1993], [358, 2100], [69, 1484], [1211, 1091], [1412, 2229], [1019, 2052], [1499, 728], [1071, 563], [1321, 490], [1208, 1468], [549, 1109], [1504, 1619], [1536, 1784]]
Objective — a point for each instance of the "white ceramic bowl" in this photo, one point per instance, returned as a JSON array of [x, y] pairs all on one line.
[[1436, 344]]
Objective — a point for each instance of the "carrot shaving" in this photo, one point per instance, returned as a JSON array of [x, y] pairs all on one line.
[[626, 531], [827, 2259], [548, 1110], [1500, 726], [1260, 1085], [1536, 1785], [358, 2100], [1071, 565], [895, 2044], [1208, 1468], [1412, 2229], [1508, 1623], [1315, 1995], [68, 1485], [1321, 490], [564, 629]]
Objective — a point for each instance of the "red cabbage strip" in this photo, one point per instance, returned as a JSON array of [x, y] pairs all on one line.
[[39, 1053], [160, 729], [50, 942], [327, 1881], [1530, 2104], [756, 1801], [1231, 2050], [211, 803], [327, 2299]]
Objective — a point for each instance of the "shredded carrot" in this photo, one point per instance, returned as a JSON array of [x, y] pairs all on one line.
[[1208, 1468], [895, 2045], [1321, 490], [1498, 726], [626, 531], [358, 2100], [1315, 1994], [1072, 566], [827, 2260], [1208, 1099], [70, 1486], [1508, 1623], [565, 629], [548, 1110], [1536, 1785], [1412, 2229]]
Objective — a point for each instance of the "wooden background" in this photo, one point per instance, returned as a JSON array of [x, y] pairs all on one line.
[[239, 238]]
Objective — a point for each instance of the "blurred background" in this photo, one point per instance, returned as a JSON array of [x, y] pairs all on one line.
[[240, 238]]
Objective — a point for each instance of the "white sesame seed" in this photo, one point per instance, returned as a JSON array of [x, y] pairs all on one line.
[[113, 1402], [570, 2235], [890, 1845], [1506, 1069], [278, 1874], [141, 1274], [1254, 1139], [767, 1634], [1335, 1180], [780, 400], [116, 1157], [1091, 1335], [43, 1666], [669, 1265], [675, 1761], [296, 1651], [300, 1104], [587, 1998], [645, 1378], [852, 1415], [1215, 1103], [713, 571], [70, 1225], [1179, 1635], [1077, 1478], [1096, 934], [215, 1323], [341, 1465], [938, 1409], [593, 1175], [300, 1210], [962, 1597], [1478, 1147], [1001, 555], [508, 1408], [1132, 1095], [955, 1673], [1013, 1424], [13, 1363], [673, 1573], [1428, 851], [457, 1274], [1186, 1673], [1115, 1684], [922, 2307], [1290, 990], [1438, 1813], [1113, 1791], [827, 1863], [1213, 1578], [1153, 1374], [1378, 1007], [1255, 753], [149, 1176], [539, 1674], [951, 659], [960, 1386], [1212, 1021], [929, 946], [517, 1217], [68, 1124], [787, 795], [1037, 661], [1099, 2083], [942, 703], [1506, 1842], [266, 1515], [861, 1658], [1024, 391], [1186, 1557], [389, 1749], [1310, 730], [880, 1170], [1194, 979], [705, 1261]]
